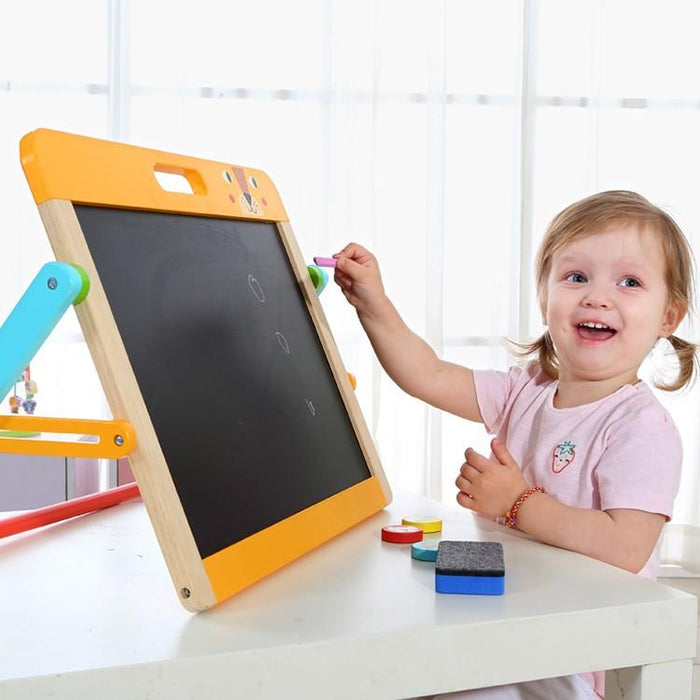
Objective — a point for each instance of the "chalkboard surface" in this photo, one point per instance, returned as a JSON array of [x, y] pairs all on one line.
[[234, 376]]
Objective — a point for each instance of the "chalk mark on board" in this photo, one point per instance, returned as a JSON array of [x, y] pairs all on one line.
[[310, 406], [283, 342], [256, 289]]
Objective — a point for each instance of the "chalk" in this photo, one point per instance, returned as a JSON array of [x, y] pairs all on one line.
[[475, 568], [326, 262]]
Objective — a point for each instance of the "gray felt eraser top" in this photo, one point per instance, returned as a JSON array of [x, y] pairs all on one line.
[[470, 559]]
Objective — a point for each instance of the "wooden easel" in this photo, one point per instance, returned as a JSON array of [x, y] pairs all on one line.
[[55, 288]]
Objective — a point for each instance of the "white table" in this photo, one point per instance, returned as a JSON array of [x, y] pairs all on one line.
[[88, 611]]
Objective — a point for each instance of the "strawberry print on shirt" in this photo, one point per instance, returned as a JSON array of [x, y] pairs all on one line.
[[563, 455]]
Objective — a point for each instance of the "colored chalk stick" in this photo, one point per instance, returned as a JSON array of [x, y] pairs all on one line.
[[475, 568], [325, 262]]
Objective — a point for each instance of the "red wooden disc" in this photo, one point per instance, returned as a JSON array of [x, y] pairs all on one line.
[[402, 533]]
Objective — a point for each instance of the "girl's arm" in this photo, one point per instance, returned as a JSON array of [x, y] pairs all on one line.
[[405, 357], [622, 537]]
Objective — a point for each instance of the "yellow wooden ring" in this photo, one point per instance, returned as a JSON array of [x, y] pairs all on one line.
[[425, 523]]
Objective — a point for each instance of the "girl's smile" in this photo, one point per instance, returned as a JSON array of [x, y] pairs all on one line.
[[595, 331]]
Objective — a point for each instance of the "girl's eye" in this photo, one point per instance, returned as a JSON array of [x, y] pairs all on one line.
[[630, 282], [576, 277]]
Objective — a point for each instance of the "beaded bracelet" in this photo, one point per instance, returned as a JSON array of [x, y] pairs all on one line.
[[512, 514]]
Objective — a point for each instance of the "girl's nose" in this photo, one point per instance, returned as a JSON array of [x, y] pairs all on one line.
[[596, 301]]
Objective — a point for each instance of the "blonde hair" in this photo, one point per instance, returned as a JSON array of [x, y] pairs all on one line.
[[592, 215]]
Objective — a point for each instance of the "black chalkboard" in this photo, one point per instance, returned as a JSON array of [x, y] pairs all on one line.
[[235, 379]]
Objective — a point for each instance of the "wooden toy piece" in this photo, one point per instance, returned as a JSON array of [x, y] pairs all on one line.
[[319, 277], [56, 286], [53, 290], [115, 439], [427, 523], [183, 283], [475, 568], [401, 534], [70, 509], [425, 550]]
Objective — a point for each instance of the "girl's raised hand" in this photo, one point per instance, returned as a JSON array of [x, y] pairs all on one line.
[[357, 274], [490, 487]]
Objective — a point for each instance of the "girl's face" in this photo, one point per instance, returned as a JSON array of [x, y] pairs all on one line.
[[607, 304]]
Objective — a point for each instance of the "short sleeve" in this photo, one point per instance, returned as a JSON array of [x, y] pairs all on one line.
[[641, 466], [493, 389]]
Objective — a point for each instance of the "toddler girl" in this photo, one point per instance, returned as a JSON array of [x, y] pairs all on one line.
[[584, 455]]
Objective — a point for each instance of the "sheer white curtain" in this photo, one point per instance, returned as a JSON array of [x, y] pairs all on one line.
[[443, 135]]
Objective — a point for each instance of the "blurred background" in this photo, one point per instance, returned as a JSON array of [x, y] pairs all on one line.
[[442, 134]]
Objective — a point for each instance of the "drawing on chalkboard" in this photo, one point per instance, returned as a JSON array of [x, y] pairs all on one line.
[[310, 406], [256, 289], [284, 344]]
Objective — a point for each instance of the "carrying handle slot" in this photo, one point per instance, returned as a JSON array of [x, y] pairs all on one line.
[[174, 178]]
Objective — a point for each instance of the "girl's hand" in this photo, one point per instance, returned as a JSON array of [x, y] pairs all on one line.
[[490, 488], [357, 275]]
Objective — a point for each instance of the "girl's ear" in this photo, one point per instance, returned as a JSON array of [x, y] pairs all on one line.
[[675, 313]]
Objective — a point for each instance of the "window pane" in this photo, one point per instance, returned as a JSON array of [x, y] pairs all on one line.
[[404, 57], [654, 151], [566, 48], [25, 247], [352, 42], [400, 191], [479, 220], [269, 44], [466, 47], [482, 47], [48, 41], [626, 48], [659, 54]]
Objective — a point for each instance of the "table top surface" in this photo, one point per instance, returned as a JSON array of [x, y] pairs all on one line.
[[94, 592]]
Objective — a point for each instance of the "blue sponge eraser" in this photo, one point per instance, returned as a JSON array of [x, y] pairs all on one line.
[[475, 568]]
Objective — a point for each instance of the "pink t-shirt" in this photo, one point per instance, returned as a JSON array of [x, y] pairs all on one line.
[[622, 451]]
